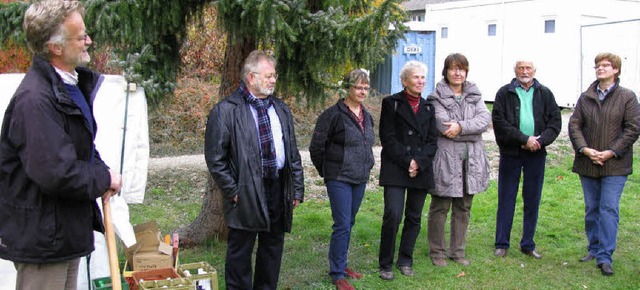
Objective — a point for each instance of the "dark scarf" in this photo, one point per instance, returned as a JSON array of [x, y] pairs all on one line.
[[265, 136]]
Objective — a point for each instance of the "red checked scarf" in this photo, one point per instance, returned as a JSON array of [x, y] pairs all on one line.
[[267, 148]]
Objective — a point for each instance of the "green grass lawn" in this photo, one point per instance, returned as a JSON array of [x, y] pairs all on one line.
[[560, 239]]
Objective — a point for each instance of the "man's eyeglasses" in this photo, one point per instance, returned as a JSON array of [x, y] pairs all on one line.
[[82, 38], [273, 75]]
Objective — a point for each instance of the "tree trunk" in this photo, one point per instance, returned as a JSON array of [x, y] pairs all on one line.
[[210, 222]]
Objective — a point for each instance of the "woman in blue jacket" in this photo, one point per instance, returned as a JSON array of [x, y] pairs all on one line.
[[341, 151]]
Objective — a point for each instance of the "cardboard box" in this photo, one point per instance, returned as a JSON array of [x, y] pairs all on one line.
[[150, 251]]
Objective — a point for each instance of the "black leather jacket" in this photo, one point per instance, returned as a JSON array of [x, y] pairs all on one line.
[[232, 153], [50, 172]]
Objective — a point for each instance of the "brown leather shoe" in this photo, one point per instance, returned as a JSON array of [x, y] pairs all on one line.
[[531, 253], [439, 262], [461, 261], [606, 269], [353, 274], [500, 252], [343, 284], [587, 258]]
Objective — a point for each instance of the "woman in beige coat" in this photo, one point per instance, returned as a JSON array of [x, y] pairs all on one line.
[[460, 165]]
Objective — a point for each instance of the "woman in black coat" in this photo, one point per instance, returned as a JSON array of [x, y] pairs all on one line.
[[408, 136]]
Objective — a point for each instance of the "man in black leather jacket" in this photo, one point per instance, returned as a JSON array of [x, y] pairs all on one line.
[[251, 152]]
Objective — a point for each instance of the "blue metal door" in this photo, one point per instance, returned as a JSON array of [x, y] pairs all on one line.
[[417, 45]]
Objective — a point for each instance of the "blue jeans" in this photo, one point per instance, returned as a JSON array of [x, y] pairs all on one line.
[[345, 201], [531, 166], [601, 214]]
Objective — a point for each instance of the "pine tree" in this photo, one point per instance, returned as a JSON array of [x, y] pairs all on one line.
[[314, 41]]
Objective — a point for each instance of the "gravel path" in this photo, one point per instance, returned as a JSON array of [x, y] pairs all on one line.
[[161, 169], [197, 161]]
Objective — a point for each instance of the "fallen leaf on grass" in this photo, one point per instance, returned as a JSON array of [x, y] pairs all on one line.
[[460, 275]]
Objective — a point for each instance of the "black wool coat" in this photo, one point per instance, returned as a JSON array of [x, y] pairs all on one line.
[[406, 135]]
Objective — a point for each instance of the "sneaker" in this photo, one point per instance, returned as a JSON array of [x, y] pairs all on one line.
[[386, 275], [353, 274], [439, 262], [343, 284]]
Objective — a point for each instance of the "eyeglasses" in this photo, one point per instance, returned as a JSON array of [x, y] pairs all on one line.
[[361, 88], [456, 69], [82, 38], [273, 75], [602, 65]]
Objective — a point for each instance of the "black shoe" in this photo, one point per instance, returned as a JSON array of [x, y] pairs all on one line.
[[406, 270], [606, 269], [500, 252], [531, 253], [587, 258]]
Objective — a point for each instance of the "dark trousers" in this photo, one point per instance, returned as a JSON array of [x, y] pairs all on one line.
[[240, 244], [531, 166], [394, 204]]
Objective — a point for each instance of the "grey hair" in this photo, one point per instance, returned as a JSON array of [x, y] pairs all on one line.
[[524, 60], [410, 66], [43, 24], [355, 76], [253, 61]]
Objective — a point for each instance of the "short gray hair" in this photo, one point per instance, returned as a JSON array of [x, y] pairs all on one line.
[[43, 24], [412, 65], [253, 60], [355, 76]]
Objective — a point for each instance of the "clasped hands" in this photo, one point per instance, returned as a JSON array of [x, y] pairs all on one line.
[[413, 168], [114, 188], [597, 157], [453, 131], [532, 144]]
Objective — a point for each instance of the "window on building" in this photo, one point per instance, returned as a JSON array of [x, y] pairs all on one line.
[[444, 32], [491, 29], [550, 26]]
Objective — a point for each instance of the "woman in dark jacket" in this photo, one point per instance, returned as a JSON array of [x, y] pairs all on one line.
[[408, 136], [603, 128], [340, 150]]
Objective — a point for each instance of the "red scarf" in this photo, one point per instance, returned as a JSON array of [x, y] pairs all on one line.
[[414, 101]]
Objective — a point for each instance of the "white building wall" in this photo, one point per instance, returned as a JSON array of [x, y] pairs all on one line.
[[520, 35]]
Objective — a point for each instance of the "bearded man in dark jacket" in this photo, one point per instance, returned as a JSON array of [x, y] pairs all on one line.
[[526, 119], [50, 171], [251, 153]]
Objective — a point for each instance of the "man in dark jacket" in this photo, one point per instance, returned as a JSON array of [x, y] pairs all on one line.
[[251, 152], [526, 119], [50, 171]]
